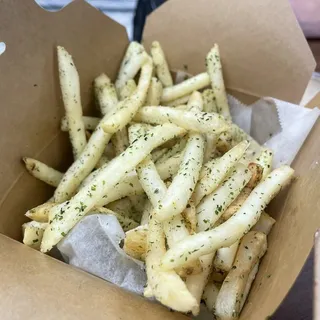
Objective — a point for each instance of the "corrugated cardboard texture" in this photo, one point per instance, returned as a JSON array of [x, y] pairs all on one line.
[[34, 286], [29, 123], [263, 50]]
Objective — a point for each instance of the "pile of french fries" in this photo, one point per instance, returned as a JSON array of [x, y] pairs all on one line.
[[187, 185]]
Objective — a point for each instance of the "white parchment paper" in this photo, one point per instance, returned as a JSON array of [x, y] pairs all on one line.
[[93, 244]]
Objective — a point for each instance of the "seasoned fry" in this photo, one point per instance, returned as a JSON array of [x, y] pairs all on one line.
[[133, 60], [225, 256], [256, 171], [252, 248], [105, 94], [161, 65], [209, 101], [120, 140], [191, 120], [216, 170], [212, 207], [264, 224], [63, 217], [214, 70], [40, 213], [123, 206], [232, 230], [33, 233], [178, 147], [195, 101], [90, 123], [211, 142], [135, 242], [186, 87], [183, 184], [265, 160], [70, 90], [224, 142], [146, 212], [43, 172], [178, 102], [154, 93], [127, 108], [190, 217], [128, 89], [210, 295]]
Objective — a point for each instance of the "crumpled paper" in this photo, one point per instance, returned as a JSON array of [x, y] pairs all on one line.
[[93, 244]]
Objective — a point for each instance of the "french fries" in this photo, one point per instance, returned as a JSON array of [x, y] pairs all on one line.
[[232, 230], [90, 123], [161, 65], [33, 233], [70, 89], [154, 92], [127, 108], [229, 300], [190, 120], [132, 62], [43, 172], [186, 184], [183, 184], [215, 171], [214, 70], [63, 217], [186, 87]]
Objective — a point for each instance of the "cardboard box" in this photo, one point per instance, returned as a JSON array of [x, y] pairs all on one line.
[[263, 53]]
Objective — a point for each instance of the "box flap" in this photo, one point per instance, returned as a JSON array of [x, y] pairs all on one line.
[[30, 92], [35, 286], [263, 50]]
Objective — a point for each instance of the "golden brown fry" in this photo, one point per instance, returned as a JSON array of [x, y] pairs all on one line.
[[135, 242], [40, 213]]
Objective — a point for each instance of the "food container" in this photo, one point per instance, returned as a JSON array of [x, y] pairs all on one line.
[[264, 53]]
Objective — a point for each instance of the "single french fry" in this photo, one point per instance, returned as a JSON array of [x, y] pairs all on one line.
[[125, 222], [209, 101], [70, 89], [195, 101], [127, 108], [105, 94], [191, 120], [154, 92], [212, 206], [40, 213], [211, 143], [264, 224], [161, 65], [214, 70], [33, 233], [210, 295], [265, 160], [186, 87], [135, 242], [120, 140], [145, 213], [190, 217], [213, 172], [157, 154], [178, 102], [228, 303], [256, 171], [225, 256], [128, 89], [183, 184], [202, 243], [64, 216], [43, 172], [133, 60], [90, 123]]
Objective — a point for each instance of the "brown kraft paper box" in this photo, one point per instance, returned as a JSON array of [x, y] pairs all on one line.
[[263, 54]]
